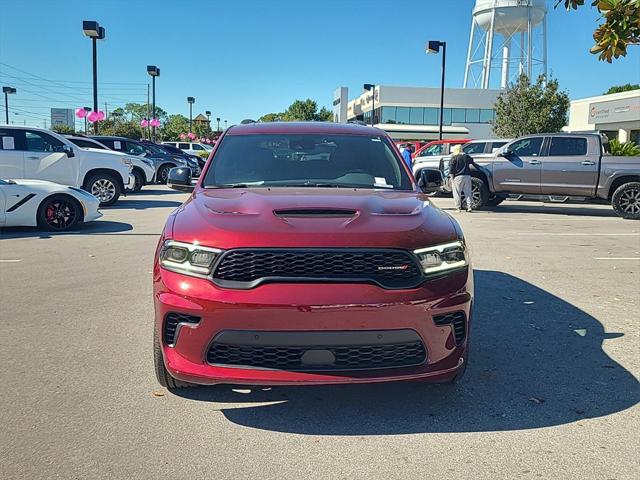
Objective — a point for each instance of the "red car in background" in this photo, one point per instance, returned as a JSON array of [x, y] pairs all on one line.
[[307, 254], [438, 147]]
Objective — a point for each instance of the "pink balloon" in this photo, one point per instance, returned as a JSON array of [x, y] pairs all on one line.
[[101, 115], [93, 117], [81, 112], [144, 123], [182, 136], [191, 135], [154, 122]]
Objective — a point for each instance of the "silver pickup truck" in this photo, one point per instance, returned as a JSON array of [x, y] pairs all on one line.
[[557, 165]]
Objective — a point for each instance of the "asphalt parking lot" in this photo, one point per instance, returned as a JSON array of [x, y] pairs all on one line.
[[551, 391]]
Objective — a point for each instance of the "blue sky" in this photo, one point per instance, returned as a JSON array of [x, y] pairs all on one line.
[[243, 58]]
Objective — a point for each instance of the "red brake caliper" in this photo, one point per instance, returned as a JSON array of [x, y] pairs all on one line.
[[50, 213]]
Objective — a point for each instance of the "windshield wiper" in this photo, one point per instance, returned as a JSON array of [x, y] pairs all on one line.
[[232, 185]]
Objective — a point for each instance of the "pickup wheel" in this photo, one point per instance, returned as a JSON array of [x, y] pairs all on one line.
[[139, 181], [480, 193], [105, 187], [164, 377], [626, 201]]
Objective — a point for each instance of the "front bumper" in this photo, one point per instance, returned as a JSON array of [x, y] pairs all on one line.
[[272, 310]]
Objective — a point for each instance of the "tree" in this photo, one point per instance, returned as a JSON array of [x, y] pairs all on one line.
[[300, 110], [271, 117], [63, 129], [174, 126], [126, 128], [621, 26], [622, 88], [526, 108], [626, 149]]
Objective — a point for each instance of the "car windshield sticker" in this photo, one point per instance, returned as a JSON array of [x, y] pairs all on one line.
[[117, 145], [376, 139], [8, 143], [382, 182]]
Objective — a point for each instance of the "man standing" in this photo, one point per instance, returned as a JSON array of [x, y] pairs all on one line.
[[460, 175], [406, 154]]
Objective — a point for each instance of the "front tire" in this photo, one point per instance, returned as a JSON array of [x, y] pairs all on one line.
[[626, 201], [479, 192], [139, 181], [105, 187], [58, 213], [164, 377], [163, 174]]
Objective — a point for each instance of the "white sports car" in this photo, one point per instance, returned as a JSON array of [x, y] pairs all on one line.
[[37, 203]]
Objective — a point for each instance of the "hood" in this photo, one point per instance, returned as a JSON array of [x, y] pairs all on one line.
[[311, 217], [27, 182]]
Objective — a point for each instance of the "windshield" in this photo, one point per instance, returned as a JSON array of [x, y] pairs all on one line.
[[154, 148], [208, 148], [432, 151], [301, 160]]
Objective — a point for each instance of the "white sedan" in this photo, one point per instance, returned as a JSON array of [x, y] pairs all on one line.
[[38, 203]]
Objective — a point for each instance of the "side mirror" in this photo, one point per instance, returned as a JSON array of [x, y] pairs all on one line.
[[505, 153], [430, 180], [68, 150], [180, 179]]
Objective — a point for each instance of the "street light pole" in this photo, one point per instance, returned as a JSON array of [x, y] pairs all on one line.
[[154, 72], [190, 101], [7, 91], [434, 47], [225, 124], [95, 32], [218, 120]]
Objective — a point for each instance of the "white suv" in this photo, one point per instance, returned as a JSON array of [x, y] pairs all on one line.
[[193, 148], [40, 154]]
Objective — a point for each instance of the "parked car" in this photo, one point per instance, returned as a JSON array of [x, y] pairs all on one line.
[[170, 149], [163, 161], [429, 155], [40, 154], [48, 205], [143, 169], [559, 164], [193, 148], [484, 147], [307, 254]]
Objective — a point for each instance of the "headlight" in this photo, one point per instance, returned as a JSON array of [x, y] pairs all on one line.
[[188, 258], [126, 161], [440, 258]]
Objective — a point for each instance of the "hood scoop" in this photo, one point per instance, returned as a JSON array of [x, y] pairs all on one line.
[[315, 213]]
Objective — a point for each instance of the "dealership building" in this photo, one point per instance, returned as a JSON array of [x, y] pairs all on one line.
[[413, 113], [617, 115]]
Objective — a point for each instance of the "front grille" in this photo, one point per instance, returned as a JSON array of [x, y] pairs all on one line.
[[457, 320], [171, 322], [387, 268], [347, 357]]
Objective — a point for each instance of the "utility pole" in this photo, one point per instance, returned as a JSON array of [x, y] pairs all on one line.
[[106, 110]]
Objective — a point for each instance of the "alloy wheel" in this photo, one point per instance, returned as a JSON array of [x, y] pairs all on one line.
[[60, 214], [103, 189], [630, 201]]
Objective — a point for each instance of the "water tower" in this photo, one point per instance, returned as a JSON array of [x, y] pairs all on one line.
[[509, 36]]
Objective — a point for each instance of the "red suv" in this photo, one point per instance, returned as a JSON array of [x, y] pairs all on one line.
[[307, 254]]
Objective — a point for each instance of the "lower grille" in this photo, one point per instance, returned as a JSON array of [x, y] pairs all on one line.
[[247, 268], [171, 322], [458, 322], [318, 357]]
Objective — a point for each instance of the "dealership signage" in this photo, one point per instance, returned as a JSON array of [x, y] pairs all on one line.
[[340, 101], [63, 116], [615, 111]]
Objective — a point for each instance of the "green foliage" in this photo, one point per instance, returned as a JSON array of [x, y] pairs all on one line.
[[300, 110], [525, 108], [626, 149], [129, 129], [204, 155], [136, 112], [200, 129], [173, 127], [63, 129], [622, 88], [620, 28]]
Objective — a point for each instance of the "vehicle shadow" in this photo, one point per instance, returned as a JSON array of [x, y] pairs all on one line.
[[93, 228], [529, 368], [154, 190], [130, 203]]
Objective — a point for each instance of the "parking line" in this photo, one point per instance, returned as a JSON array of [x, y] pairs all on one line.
[[616, 258], [10, 261], [581, 234]]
